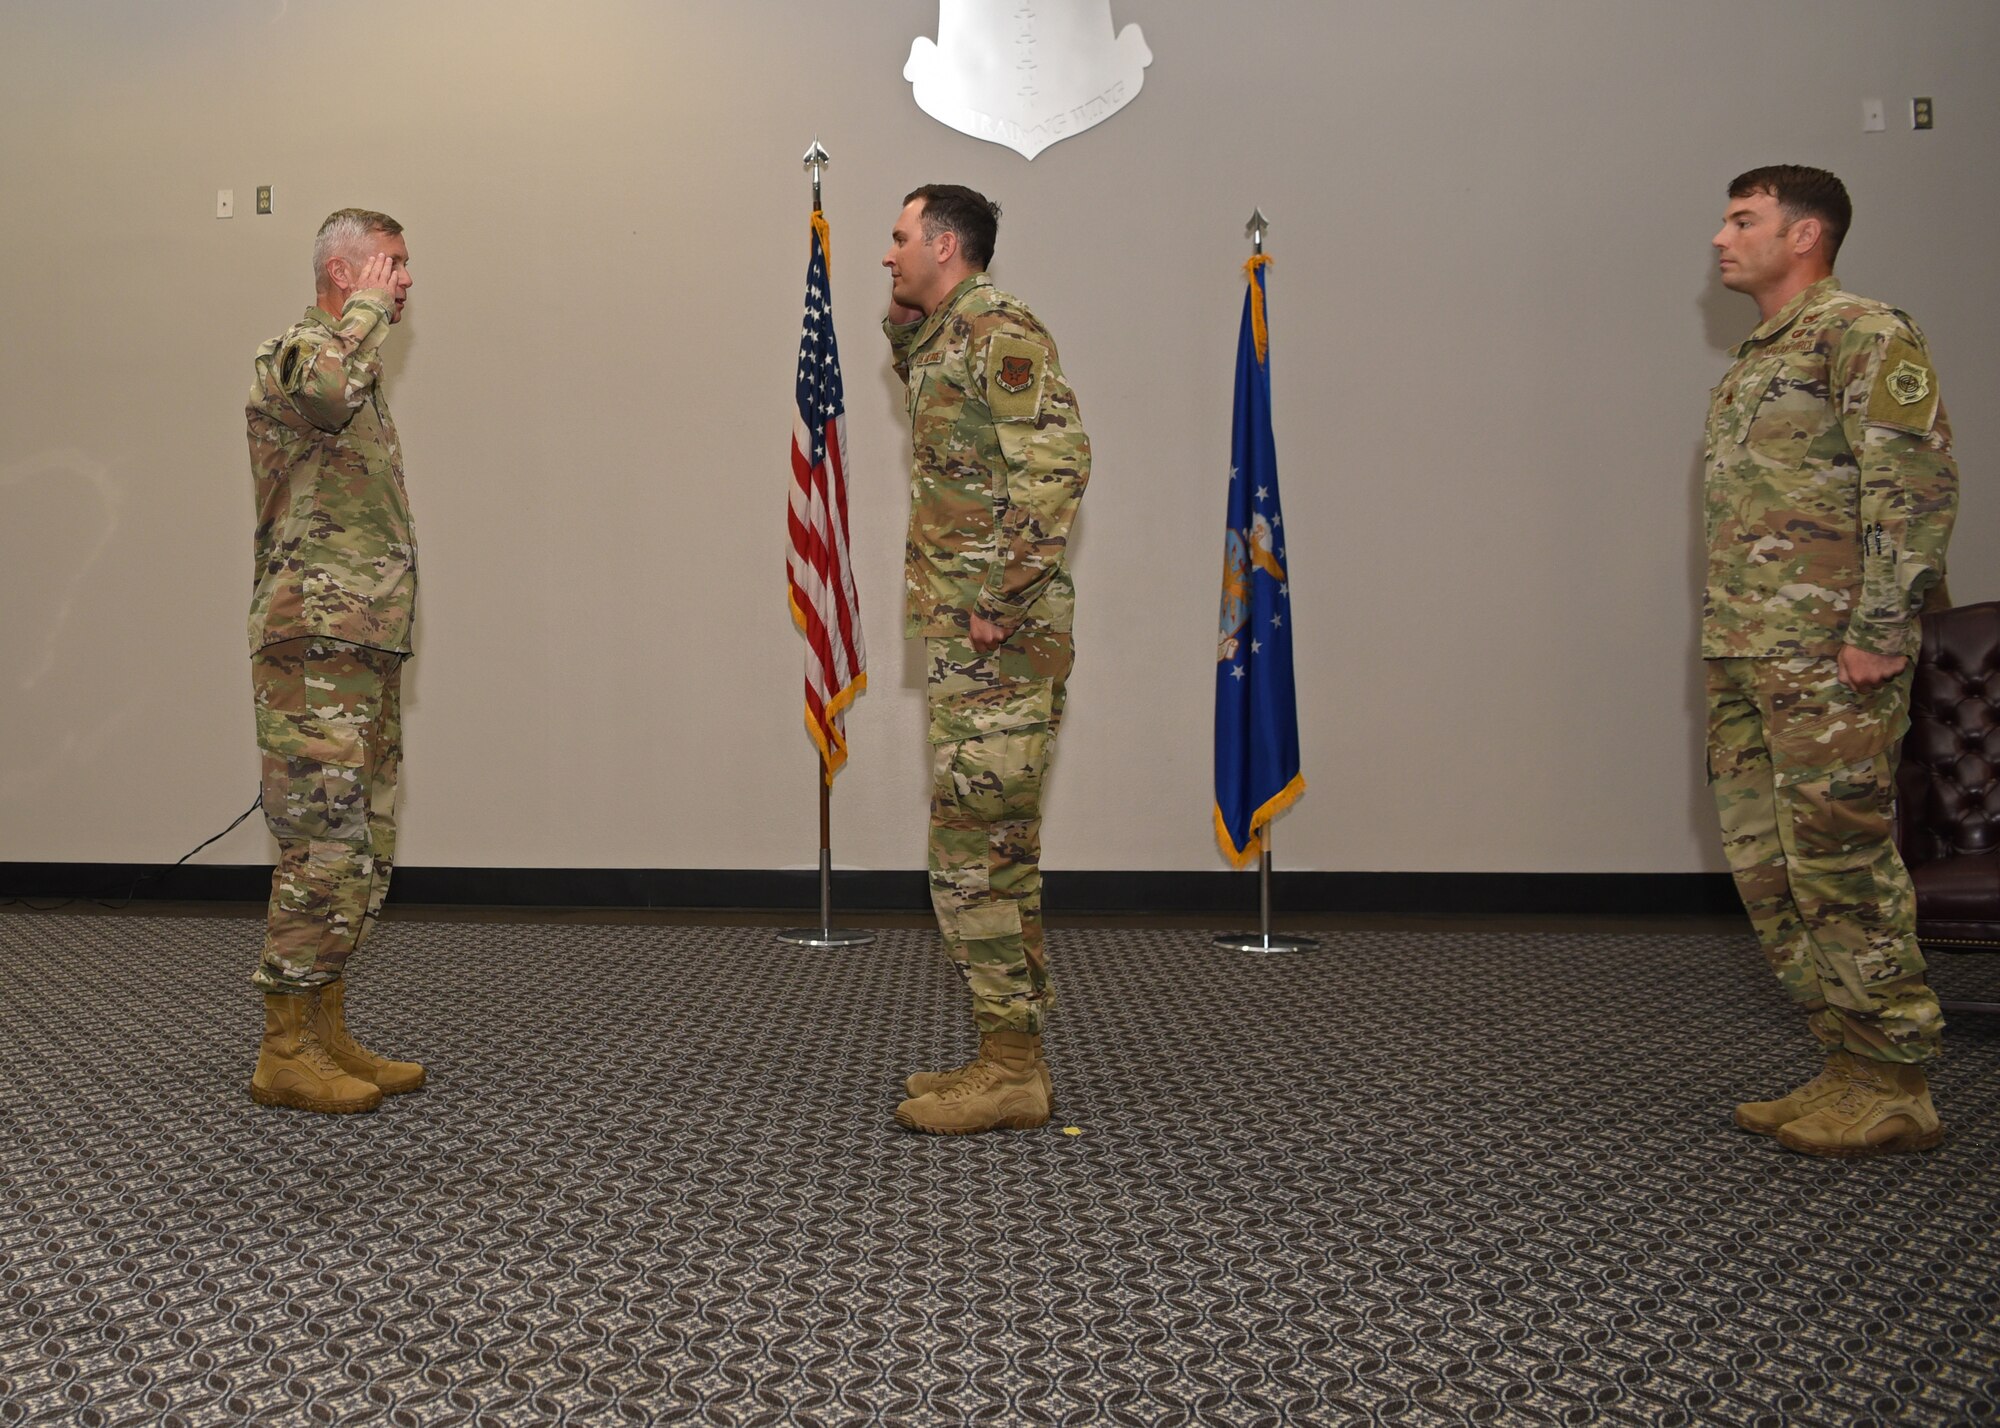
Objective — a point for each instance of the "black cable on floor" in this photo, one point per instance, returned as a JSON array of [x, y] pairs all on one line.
[[102, 898]]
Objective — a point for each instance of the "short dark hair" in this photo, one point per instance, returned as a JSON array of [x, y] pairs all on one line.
[[1802, 193], [973, 216]]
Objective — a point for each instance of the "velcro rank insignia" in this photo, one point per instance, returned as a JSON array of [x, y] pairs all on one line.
[[1014, 369], [1905, 393]]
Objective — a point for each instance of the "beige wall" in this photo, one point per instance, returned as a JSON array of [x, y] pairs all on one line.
[[1494, 329]]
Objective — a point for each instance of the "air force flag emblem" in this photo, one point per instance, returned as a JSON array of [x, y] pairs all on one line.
[[1026, 75]]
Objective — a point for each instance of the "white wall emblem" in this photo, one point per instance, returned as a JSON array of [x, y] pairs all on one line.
[[1026, 73]]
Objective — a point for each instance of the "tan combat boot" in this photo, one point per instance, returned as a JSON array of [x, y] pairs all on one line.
[[924, 1082], [330, 1026], [1003, 1090], [1764, 1117], [293, 1069], [1886, 1109]]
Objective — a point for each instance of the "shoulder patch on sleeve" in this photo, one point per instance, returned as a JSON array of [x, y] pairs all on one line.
[[1015, 371], [1905, 394]]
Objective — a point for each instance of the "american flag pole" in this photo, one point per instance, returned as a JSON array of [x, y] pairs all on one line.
[[819, 575]]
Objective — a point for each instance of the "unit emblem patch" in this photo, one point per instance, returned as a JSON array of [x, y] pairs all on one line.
[[1017, 374], [1908, 383]]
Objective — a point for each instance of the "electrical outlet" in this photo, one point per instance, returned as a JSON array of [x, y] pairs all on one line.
[[1920, 114], [1874, 118], [263, 198], [225, 203]]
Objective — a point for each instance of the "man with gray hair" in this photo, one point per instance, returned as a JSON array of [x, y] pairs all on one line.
[[330, 621]]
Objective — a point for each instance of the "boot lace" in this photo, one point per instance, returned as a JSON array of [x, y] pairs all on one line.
[[342, 1040], [975, 1079], [1864, 1088], [947, 1079], [315, 1055]]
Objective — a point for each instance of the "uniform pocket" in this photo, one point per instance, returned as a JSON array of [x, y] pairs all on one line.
[[300, 735], [999, 708], [1736, 398], [980, 924], [317, 700], [996, 777], [1789, 411], [1857, 728], [1842, 821]]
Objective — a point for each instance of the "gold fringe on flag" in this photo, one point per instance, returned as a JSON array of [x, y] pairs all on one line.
[[1261, 333], [1283, 799], [832, 756]]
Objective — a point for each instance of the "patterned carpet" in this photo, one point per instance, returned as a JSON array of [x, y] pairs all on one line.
[[1411, 1178]]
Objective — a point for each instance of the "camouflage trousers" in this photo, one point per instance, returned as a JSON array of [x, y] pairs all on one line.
[[1803, 772], [329, 725], [993, 721]]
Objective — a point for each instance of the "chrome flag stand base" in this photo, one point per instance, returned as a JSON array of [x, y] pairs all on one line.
[[825, 937], [1265, 940], [1245, 942]]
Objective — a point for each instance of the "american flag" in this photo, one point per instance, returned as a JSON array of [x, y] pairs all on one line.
[[824, 602]]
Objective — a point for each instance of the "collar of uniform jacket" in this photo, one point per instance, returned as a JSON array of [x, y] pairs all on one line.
[[1789, 314], [944, 309]]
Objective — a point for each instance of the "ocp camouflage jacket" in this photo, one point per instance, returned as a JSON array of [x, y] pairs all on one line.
[[336, 552], [1830, 487], [999, 463]]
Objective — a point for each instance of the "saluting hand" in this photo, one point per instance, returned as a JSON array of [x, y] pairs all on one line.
[[377, 276], [900, 314]]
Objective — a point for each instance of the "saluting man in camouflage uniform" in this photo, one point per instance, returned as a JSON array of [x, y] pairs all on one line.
[[1830, 493], [336, 589], [1000, 460]]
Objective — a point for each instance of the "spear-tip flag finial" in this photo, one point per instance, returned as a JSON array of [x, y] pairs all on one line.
[[817, 159], [1255, 229]]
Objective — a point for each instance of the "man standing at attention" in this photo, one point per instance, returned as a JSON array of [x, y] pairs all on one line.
[[999, 463], [1830, 492], [336, 588]]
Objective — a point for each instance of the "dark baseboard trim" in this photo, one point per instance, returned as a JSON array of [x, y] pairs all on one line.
[[1076, 892]]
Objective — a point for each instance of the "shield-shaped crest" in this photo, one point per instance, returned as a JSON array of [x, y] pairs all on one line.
[[1026, 75], [1909, 383], [1016, 373]]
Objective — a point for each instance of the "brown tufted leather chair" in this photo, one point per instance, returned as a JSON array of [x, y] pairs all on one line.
[[1948, 784]]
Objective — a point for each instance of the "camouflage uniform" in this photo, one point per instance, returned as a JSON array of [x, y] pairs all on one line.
[[1000, 460], [1830, 492], [330, 625]]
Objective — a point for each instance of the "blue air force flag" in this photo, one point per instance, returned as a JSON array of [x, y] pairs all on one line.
[[1256, 707]]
